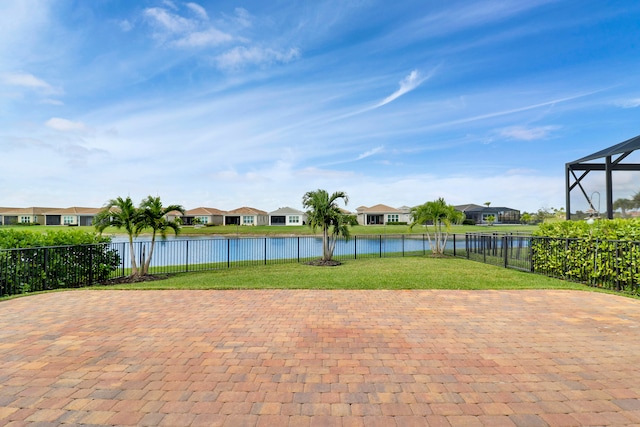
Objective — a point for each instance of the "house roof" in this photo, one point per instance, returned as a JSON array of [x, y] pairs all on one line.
[[246, 211], [485, 209], [286, 210], [25, 211], [204, 211], [378, 209], [75, 210]]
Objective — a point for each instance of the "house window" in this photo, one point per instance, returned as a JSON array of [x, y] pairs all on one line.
[[247, 220], [392, 218], [25, 219], [67, 220], [294, 219], [203, 219]]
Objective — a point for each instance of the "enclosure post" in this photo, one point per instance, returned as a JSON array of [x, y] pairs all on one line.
[[298, 248], [380, 239], [403, 245], [228, 253], [265, 251], [186, 258]]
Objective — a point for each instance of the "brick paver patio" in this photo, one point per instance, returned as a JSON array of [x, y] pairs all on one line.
[[320, 358]]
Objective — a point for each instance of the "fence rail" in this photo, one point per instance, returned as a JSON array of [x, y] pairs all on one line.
[[609, 264]]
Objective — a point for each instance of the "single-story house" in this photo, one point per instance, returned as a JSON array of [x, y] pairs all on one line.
[[201, 215], [71, 216], [246, 216], [381, 214], [287, 216], [33, 215], [480, 214]]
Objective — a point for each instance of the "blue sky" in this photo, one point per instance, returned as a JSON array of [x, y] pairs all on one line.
[[229, 103]]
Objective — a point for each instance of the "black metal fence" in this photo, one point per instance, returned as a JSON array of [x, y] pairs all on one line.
[[602, 263], [609, 264], [37, 269]]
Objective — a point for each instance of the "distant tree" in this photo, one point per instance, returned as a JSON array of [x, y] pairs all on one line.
[[441, 215], [153, 215], [487, 204], [624, 205], [491, 219], [525, 218], [324, 213], [121, 213]]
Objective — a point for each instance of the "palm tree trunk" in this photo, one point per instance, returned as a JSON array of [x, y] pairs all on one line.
[[326, 256], [134, 265], [147, 262]]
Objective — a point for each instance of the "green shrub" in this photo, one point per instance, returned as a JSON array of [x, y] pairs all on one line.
[[55, 259], [604, 254]]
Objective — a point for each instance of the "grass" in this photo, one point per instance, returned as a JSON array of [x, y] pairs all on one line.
[[379, 273]]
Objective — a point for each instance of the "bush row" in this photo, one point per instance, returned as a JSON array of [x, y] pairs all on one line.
[[604, 254], [56, 259]]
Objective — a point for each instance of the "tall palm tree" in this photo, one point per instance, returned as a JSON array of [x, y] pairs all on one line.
[[121, 213], [441, 215], [153, 215], [324, 212]]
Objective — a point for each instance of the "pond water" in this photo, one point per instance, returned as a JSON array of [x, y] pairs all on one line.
[[206, 249]]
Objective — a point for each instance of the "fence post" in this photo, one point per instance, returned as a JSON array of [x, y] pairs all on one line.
[[403, 245], [265, 251], [186, 258], [504, 251], [355, 247], [380, 239], [298, 249], [228, 253]]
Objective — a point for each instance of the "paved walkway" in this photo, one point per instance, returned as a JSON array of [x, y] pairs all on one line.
[[320, 358]]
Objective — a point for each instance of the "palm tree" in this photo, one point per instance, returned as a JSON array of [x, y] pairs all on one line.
[[324, 212], [440, 214], [153, 215], [121, 213], [624, 205]]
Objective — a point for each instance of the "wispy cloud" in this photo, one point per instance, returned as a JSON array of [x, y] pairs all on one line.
[[198, 10], [629, 103], [241, 56], [409, 83], [181, 31], [28, 81], [370, 152], [64, 125], [527, 133]]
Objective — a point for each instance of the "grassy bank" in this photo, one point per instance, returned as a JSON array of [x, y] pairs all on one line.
[[379, 273]]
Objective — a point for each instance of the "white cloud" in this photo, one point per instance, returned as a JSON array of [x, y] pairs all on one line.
[[243, 17], [28, 81], [179, 31], [629, 103], [169, 21], [370, 152], [125, 25], [209, 37], [527, 134], [64, 125], [241, 56], [198, 10], [409, 83]]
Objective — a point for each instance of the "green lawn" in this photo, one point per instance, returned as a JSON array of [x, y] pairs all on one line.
[[380, 273]]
